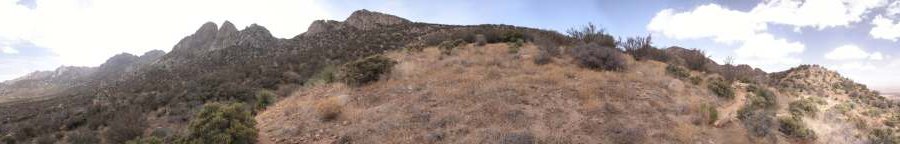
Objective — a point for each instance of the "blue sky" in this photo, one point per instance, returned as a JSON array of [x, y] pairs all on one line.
[[855, 37]]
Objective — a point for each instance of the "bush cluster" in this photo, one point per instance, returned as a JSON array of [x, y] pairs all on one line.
[[591, 34], [264, 98], [756, 120], [222, 123], [678, 72], [515, 46], [641, 49], [709, 113], [596, 56], [762, 97], [546, 50], [721, 88], [366, 70], [328, 109], [448, 46], [794, 127], [805, 107]]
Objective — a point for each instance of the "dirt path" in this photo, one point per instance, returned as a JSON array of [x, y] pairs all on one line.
[[729, 112]]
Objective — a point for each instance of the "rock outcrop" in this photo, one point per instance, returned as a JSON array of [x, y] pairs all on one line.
[[367, 20]]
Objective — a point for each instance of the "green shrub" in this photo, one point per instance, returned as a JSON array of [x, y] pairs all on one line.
[[515, 46], [696, 80], [448, 46], [803, 107], [82, 136], [324, 76], [722, 89], [222, 123], [762, 97], [595, 56], [710, 113], [794, 127], [264, 98], [678, 72], [366, 70]]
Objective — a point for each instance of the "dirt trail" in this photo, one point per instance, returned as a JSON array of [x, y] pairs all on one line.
[[729, 112]]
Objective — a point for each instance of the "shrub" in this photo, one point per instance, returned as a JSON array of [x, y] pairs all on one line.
[[591, 34], [324, 76], [447, 47], [328, 109], [128, 124], [694, 59], [480, 40], [641, 49], [515, 46], [264, 98], [794, 127], [757, 121], [366, 70], [709, 113], [722, 89], [546, 50], [883, 136], [222, 123], [678, 72], [595, 56], [696, 80], [762, 97], [803, 107]]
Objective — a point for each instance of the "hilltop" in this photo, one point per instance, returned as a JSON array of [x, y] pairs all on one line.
[[379, 78]]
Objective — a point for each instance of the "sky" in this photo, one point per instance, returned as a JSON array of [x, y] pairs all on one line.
[[858, 38]]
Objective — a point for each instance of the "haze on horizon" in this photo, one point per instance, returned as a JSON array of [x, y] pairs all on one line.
[[858, 38]]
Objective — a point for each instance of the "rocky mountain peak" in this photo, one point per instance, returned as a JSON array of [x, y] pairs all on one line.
[[320, 26], [366, 20]]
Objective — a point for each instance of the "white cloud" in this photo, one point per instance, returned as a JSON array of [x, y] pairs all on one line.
[[852, 52], [769, 53], [706, 21], [893, 9], [87, 32], [9, 50], [885, 28], [815, 13]]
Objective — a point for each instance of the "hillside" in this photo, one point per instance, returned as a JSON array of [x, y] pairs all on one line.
[[379, 78]]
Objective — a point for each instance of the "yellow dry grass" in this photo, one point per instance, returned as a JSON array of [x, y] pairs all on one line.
[[486, 95]]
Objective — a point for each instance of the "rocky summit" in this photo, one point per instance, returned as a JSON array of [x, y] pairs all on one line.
[[379, 78]]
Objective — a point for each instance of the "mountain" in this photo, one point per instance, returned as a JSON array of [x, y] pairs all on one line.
[[449, 84]]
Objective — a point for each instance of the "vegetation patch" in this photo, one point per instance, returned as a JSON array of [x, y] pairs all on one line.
[[366, 70], [222, 123], [595, 56], [678, 72], [709, 113], [264, 98], [794, 127], [329, 108], [515, 46], [805, 107], [448, 46], [756, 120], [721, 88]]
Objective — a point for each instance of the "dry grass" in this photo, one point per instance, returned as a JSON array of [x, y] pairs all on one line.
[[486, 95]]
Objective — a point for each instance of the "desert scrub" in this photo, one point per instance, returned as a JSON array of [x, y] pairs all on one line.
[[678, 71], [329, 108], [762, 97], [222, 123], [794, 127], [264, 98], [709, 113], [448, 46], [804, 107], [721, 88], [366, 70], [324, 76], [546, 50], [590, 34], [480, 40], [595, 56], [515, 46], [758, 121]]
